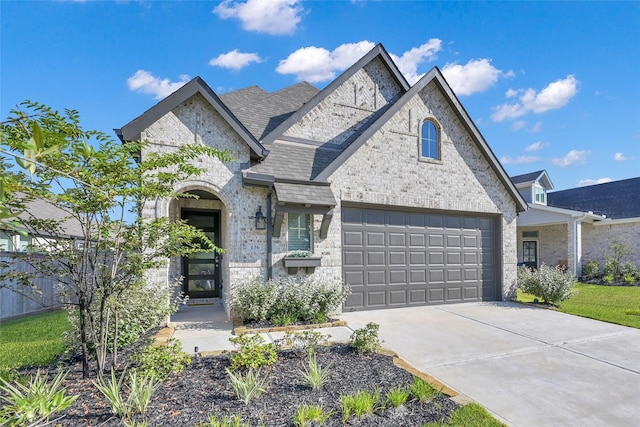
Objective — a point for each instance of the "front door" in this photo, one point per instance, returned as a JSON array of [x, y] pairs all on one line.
[[530, 253], [201, 271]]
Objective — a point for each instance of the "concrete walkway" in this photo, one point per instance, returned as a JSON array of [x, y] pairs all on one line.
[[528, 366]]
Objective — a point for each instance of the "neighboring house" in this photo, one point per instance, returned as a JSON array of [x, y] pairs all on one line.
[[575, 226], [391, 187], [21, 301]]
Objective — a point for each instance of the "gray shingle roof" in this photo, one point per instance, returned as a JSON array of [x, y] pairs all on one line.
[[289, 160], [304, 194], [617, 199], [527, 177], [261, 112]]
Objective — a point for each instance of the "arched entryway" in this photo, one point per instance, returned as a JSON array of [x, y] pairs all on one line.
[[203, 274]]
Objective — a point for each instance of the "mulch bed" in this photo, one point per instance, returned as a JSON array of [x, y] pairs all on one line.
[[203, 388]]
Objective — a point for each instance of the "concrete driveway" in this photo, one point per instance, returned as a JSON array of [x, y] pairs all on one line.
[[528, 366]]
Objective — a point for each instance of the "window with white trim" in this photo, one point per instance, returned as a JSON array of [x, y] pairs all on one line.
[[429, 141], [539, 195], [299, 232], [6, 242]]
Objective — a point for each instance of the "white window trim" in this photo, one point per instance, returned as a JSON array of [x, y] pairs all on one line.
[[422, 158], [311, 228]]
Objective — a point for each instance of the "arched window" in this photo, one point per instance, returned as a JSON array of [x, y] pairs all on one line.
[[430, 144]]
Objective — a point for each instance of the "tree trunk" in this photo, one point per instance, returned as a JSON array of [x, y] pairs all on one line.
[[83, 340]]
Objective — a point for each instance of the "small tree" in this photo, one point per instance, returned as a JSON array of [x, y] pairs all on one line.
[[98, 185], [618, 252]]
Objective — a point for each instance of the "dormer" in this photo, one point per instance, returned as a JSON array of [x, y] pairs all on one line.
[[533, 186]]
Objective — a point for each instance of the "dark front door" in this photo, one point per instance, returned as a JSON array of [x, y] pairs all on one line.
[[201, 271], [530, 253]]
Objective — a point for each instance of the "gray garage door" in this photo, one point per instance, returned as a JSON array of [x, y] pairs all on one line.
[[399, 259]]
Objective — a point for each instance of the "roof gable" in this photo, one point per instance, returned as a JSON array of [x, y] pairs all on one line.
[[540, 176], [434, 75], [617, 199], [377, 52], [132, 130]]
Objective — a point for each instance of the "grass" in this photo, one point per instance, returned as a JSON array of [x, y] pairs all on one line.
[[471, 415], [613, 304], [32, 341]]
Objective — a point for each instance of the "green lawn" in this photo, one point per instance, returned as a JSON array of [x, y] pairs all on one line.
[[32, 341], [614, 304]]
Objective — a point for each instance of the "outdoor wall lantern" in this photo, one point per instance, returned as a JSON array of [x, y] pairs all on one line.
[[261, 220]]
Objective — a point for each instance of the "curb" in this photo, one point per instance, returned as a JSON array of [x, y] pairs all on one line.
[[238, 328]]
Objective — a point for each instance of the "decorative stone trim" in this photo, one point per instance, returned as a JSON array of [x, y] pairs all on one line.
[[239, 328], [292, 264]]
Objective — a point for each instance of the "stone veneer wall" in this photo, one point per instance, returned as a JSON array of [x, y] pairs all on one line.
[[553, 244], [597, 238], [387, 170]]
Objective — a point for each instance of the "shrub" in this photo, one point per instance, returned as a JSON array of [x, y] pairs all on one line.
[[629, 269], [591, 269], [225, 421], [252, 352], [365, 340], [33, 403], [252, 300], [141, 389], [162, 361], [618, 252], [285, 301], [249, 385], [550, 284], [303, 342]]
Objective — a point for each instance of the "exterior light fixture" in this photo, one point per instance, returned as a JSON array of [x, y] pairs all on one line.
[[261, 220]]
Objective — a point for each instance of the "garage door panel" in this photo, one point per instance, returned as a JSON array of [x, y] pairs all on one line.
[[353, 238], [398, 277], [375, 239], [354, 258], [395, 259]]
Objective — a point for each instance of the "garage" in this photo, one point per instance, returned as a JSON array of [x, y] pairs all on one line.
[[394, 258]]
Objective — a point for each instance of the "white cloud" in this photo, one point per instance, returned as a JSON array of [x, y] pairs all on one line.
[[235, 60], [409, 61], [145, 82], [552, 97], [537, 127], [585, 182], [508, 160], [619, 156], [537, 146], [275, 17], [518, 125], [476, 75], [316, 64], [573, 157]]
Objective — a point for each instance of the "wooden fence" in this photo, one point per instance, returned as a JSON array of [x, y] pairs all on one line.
[[14, 304]]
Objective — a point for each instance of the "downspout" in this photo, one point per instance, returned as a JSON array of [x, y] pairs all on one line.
[[269, 235], [577, 242]]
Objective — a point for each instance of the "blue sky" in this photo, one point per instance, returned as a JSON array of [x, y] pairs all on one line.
[[551, 85]]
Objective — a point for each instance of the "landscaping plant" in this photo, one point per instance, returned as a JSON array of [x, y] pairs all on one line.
[[99, 183], [310, 414], [591, 270], [160, 361], [314, 375], [365, 340], [422, 390], [252, 352], [360, 403], [303, 343], [397, 396], [618, 252], [550, 284], [33, 403], [141, 389], [248, 385], [225, 421]]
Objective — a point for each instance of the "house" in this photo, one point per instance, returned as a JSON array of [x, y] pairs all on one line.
[[391, 187], [575, 226]]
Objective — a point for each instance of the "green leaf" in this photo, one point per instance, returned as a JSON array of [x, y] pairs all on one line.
[[37, 137]]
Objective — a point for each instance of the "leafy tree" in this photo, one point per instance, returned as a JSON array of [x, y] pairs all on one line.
[[99, 185]]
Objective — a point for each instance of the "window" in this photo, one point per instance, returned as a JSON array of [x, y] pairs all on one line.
[[6, 242], [429, 147], [299, 232], [25, 242], [539, 195]]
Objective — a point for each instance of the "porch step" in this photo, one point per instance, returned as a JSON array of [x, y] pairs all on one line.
[[204, 301]]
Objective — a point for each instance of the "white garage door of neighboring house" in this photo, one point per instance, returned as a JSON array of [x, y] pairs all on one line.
[[395, 258]]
